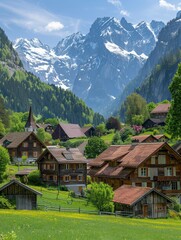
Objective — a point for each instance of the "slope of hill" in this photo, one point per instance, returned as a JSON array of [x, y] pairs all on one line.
[[167, 47], [20, 89]]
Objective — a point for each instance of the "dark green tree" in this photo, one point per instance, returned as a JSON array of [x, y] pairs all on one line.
[[4, 160], [94, 147], [113, 123], [174, 115], [116, 139], [101, 196]]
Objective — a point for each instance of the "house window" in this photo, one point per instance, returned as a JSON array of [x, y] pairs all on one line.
[[80, 177], [44, 166], [34, 144], [66, 166], [169, 171], [153, 160], [161, 159], [25, 144], [52, 166], [50, 178], [67, 178], [142, 172], [144, 184], [80, 166], [174, 185], [35, 154]]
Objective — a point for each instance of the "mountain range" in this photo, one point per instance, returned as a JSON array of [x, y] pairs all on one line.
[[97, 66]]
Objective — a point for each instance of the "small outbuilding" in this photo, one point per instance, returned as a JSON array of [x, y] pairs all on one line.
[[24, 196], [141, 201]]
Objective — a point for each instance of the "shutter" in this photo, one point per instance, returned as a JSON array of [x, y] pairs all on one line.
[[178, 185], [139, 172], [148, 172], [174, 171], [165, 171]]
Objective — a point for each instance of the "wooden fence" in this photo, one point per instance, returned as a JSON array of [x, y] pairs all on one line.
[[79, 210]]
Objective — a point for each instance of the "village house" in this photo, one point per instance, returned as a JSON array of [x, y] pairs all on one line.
[[21, 144], [63, 167], [66, 131], [89, 131], [141, 202], [144, 138], [157, 116], [46, 126], [23, 196], [154, 165]]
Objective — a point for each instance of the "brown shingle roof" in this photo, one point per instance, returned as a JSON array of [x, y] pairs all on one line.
[[142, 138], [160, 136], [161, 108], [130, 195], [15, 139], [62, 155], [72, 130]]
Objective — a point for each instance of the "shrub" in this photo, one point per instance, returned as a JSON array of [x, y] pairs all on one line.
[[5, 204], [34, 178]]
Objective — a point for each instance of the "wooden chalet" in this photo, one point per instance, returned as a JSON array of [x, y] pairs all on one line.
[[161, 138], [160, 111], [157, 116], [141, 201], [89, 131], [144, 138], [63, 167], [67, 131], [21, 144], [46, 126], [23, 196], [154, 165]]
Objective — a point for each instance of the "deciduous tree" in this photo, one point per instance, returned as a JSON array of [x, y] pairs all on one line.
[[94, 147], [4, 160]]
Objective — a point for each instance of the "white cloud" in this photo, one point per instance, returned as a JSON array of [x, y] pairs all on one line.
[[118, 5], [37, 19], [54, 26], [169, 6], [124, 13]]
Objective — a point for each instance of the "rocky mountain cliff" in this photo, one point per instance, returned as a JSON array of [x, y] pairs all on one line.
[[153, 79], [97, 66]]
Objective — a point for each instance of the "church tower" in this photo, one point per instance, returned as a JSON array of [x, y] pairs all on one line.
[[30, 125]]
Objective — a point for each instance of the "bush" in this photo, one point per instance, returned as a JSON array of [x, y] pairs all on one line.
[[5, 204], [34, 178]]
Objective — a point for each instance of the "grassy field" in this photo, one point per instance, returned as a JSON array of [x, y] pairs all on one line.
[[54, 225]]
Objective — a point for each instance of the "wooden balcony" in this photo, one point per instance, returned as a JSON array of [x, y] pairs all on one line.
[[166, 178]]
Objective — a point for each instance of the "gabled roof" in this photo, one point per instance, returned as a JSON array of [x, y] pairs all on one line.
[[85, 129], [161, 108], [14, 181], [63, 155], [131, 156], [72, 130], [160, 136], [14, 139], [130, 195], [142, 138]]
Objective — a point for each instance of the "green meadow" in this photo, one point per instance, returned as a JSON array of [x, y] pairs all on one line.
[[42, 225]]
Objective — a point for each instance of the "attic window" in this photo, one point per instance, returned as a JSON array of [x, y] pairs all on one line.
[[68, 156], [6, 143]]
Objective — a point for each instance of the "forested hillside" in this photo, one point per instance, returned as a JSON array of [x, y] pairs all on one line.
[[20, 89]]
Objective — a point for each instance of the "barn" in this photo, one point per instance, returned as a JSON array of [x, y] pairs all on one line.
[[24, 196], [141, 201]]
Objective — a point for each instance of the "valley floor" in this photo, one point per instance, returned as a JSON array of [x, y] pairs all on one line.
[[42, 225]]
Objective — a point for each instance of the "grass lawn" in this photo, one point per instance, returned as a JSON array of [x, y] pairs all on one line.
[[39, 225], [108, 138]]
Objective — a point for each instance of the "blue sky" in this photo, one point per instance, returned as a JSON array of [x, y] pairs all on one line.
[[51, 20]]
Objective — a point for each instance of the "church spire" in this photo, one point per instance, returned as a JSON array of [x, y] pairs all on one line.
[[30, 125]]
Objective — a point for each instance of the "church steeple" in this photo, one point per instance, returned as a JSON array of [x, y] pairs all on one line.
[[30, 125]]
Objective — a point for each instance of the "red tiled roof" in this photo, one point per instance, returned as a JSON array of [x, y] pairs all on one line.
[[128, 194], [161, 108], [15, 138], [72, 130], [62, 155], [142, 138]]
